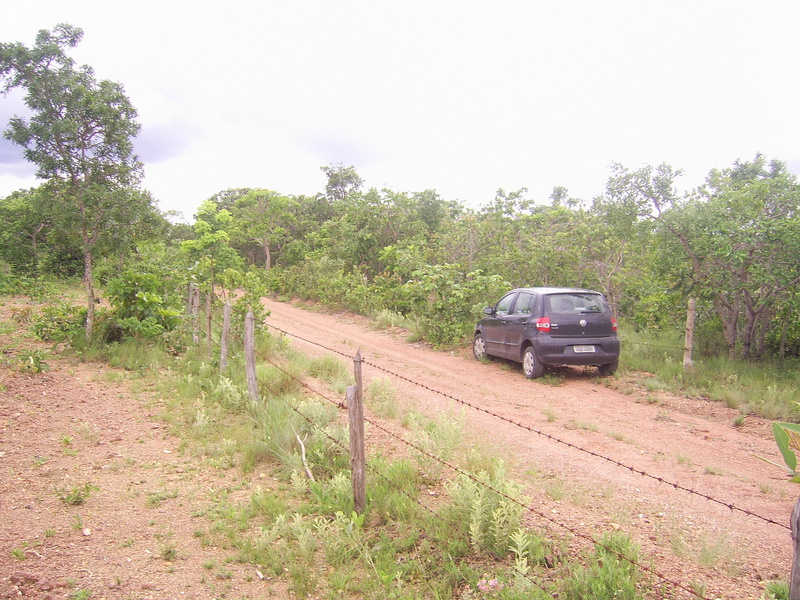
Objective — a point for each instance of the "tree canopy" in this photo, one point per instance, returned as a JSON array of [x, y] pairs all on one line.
[[80, 137]]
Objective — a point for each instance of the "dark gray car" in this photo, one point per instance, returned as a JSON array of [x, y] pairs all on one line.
[[549, 327]]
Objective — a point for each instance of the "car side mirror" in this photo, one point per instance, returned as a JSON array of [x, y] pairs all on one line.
[[489, 310]]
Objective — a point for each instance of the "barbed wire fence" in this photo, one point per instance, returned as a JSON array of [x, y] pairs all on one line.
[[661, 480], [373, 423]]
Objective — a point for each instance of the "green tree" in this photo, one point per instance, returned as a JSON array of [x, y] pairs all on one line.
[[342, 181], [209, 252], [620, 241], [227, 198], [24, 231], [748, 247], [366, 224], [79, 136], [265, 218], [734, 242], [526, 243]]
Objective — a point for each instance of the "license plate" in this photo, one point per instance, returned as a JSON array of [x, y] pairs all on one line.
[[582, 349]]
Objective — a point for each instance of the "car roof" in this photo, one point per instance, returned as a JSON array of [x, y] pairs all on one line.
[[554, 290]]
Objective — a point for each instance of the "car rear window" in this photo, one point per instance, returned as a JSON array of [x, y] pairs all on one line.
[[575, 303]]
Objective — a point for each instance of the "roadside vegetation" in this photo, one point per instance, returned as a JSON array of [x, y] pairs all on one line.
[[651, 360]]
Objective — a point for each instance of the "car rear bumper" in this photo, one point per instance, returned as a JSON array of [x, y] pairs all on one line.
[[555, 351]]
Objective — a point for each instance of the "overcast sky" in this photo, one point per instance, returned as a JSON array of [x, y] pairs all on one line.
[[462, 97]]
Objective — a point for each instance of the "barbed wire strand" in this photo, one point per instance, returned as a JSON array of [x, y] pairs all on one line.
[[650, 344], [661, 480]]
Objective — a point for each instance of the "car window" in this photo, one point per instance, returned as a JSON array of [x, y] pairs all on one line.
[[589, 303], [501, 308], [575, 303], [524, 304]]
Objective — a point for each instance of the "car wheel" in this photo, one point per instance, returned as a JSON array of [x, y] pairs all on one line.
[[479, 347], [531, 365], [609, 369]]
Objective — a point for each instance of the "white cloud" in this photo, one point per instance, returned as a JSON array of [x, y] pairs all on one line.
[[462, 97]]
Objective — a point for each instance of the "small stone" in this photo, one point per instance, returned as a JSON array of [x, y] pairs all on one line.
[[87, 532]]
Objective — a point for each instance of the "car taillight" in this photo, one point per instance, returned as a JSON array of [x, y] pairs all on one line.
[[543, 324], [613, 324]]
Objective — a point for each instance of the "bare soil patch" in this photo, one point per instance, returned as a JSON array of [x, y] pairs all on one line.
[[135, 536]]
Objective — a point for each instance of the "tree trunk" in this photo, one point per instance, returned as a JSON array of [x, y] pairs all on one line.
[[753, 337], [763, 326], [267, 256], [749, 331], [89, 282], [729, 315], [35, 247], [784, 336]]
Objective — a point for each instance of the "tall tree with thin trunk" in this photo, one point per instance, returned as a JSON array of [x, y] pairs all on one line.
[[79, 135]]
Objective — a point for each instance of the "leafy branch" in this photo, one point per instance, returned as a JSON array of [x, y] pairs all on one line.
[[787, 436]]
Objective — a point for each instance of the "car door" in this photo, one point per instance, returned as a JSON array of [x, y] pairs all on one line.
[[516, 324], [494, 326]]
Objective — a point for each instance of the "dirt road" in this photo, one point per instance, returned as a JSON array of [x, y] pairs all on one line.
[[565, 440]]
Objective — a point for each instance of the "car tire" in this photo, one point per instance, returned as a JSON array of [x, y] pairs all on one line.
[[531, 366], [609, 368], [479, 347]]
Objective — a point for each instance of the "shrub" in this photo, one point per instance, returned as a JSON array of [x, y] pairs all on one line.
[[485, 507], [447, 300], [58, 323], [610, 572], [33, 362], [139, 307]]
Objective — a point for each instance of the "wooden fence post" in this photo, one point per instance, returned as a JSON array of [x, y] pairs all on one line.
[[691, 313], [193, 308], [223, 343], [794, 580], [355, 409], [209, 321], [190, 299], [250, 355]]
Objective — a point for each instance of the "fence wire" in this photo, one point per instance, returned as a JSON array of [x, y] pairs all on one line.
[[661, 480]]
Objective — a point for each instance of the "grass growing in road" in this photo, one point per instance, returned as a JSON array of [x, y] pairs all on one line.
[[77, 494]]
